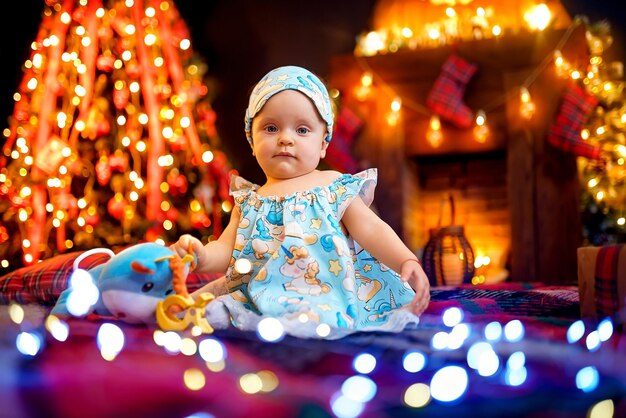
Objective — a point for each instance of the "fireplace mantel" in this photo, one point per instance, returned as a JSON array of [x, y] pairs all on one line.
[[542, 187]]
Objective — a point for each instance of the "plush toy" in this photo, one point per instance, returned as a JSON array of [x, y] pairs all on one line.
[[128, 286]]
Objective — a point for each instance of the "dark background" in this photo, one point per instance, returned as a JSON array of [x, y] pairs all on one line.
[[242, 40]]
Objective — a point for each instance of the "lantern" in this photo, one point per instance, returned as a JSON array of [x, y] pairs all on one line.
[[448, 257]]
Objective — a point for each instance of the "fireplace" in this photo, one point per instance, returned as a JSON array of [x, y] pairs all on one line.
[[516, 197], [478, 187]]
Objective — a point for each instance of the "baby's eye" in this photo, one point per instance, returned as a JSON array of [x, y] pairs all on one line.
[[303, 130], [271, 129]]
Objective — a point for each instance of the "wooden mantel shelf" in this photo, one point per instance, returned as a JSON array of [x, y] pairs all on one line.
[[410, 74]]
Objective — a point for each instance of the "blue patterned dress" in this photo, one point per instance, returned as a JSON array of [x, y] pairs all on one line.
[[304, 270]]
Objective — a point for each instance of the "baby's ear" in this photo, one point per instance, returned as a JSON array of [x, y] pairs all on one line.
[[324, 147]]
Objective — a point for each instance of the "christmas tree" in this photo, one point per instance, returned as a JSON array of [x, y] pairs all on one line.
[[603, 173], [112, 138]]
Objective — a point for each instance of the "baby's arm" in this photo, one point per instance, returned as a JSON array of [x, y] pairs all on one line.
[[214, 257], [380, 240], [217, 287]]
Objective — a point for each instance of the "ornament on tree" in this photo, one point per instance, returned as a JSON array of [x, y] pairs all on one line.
[[105, 63], [103, 170], [564, 133], [116, 206], [172, 214], [4, 235], [67, 202], [121, 95], [446, 95], [90, 216], [177, 182], [340, 156], [118, 161], [97, 123], [200, 220], [51, 155]]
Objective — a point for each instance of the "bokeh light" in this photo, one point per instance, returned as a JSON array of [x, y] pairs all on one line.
[[83, 293], [344, 407], [413, 361], [28, 343], [514, 331], [449, 383], [250, 383], [452, 316], [593, 341], [194, 379], [602, 409], [364, 363], [417, 395], [359, 388], [211, 350], [587, 379], [440, 340], [605, 329], [110, 340], [57, 328], [575, 331], [270, 329], [171, 342], [493, 331], [16, 313]]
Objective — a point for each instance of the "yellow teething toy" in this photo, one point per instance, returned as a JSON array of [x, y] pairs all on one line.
[[169, 320], [168, 311]]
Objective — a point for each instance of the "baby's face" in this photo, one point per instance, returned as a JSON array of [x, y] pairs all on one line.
[[288, 136]]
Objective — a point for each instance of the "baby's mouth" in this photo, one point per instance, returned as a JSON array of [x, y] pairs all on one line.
[[283, 154]]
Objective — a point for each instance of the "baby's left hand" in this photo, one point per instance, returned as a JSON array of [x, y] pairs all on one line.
[[412, 272]]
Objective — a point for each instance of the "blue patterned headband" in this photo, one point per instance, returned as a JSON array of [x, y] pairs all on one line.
[[290, 78]]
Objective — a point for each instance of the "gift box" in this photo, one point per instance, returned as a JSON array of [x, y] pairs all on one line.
[[602, 282]]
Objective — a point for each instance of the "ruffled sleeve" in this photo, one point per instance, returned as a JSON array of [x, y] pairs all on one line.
[[349, 186], [240, 187]]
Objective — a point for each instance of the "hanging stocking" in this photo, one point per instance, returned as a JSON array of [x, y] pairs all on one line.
[[339, 154], [446, 96], [565, 130]]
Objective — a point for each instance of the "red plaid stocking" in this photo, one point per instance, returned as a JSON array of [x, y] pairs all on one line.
[[446, 96], [565, 130], [339, 154]]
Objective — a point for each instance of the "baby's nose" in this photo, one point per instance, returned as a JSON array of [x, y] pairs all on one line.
[[285, 139]]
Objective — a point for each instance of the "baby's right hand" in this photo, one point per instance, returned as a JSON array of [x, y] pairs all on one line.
[[188, 244]]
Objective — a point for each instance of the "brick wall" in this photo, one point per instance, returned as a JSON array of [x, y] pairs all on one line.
[[478, 186]]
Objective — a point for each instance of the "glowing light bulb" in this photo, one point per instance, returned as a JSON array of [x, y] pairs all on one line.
[[481, 130], [538, 17], [527, 107], [434, 134]]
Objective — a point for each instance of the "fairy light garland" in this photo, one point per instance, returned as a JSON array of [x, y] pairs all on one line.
[[370, 79], [496, 352], [604, 178]]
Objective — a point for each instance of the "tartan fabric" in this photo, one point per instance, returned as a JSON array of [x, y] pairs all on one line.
[[43, 282], [564, 133], [606, 291], [531, 300], [339, 154], [446, 95]]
